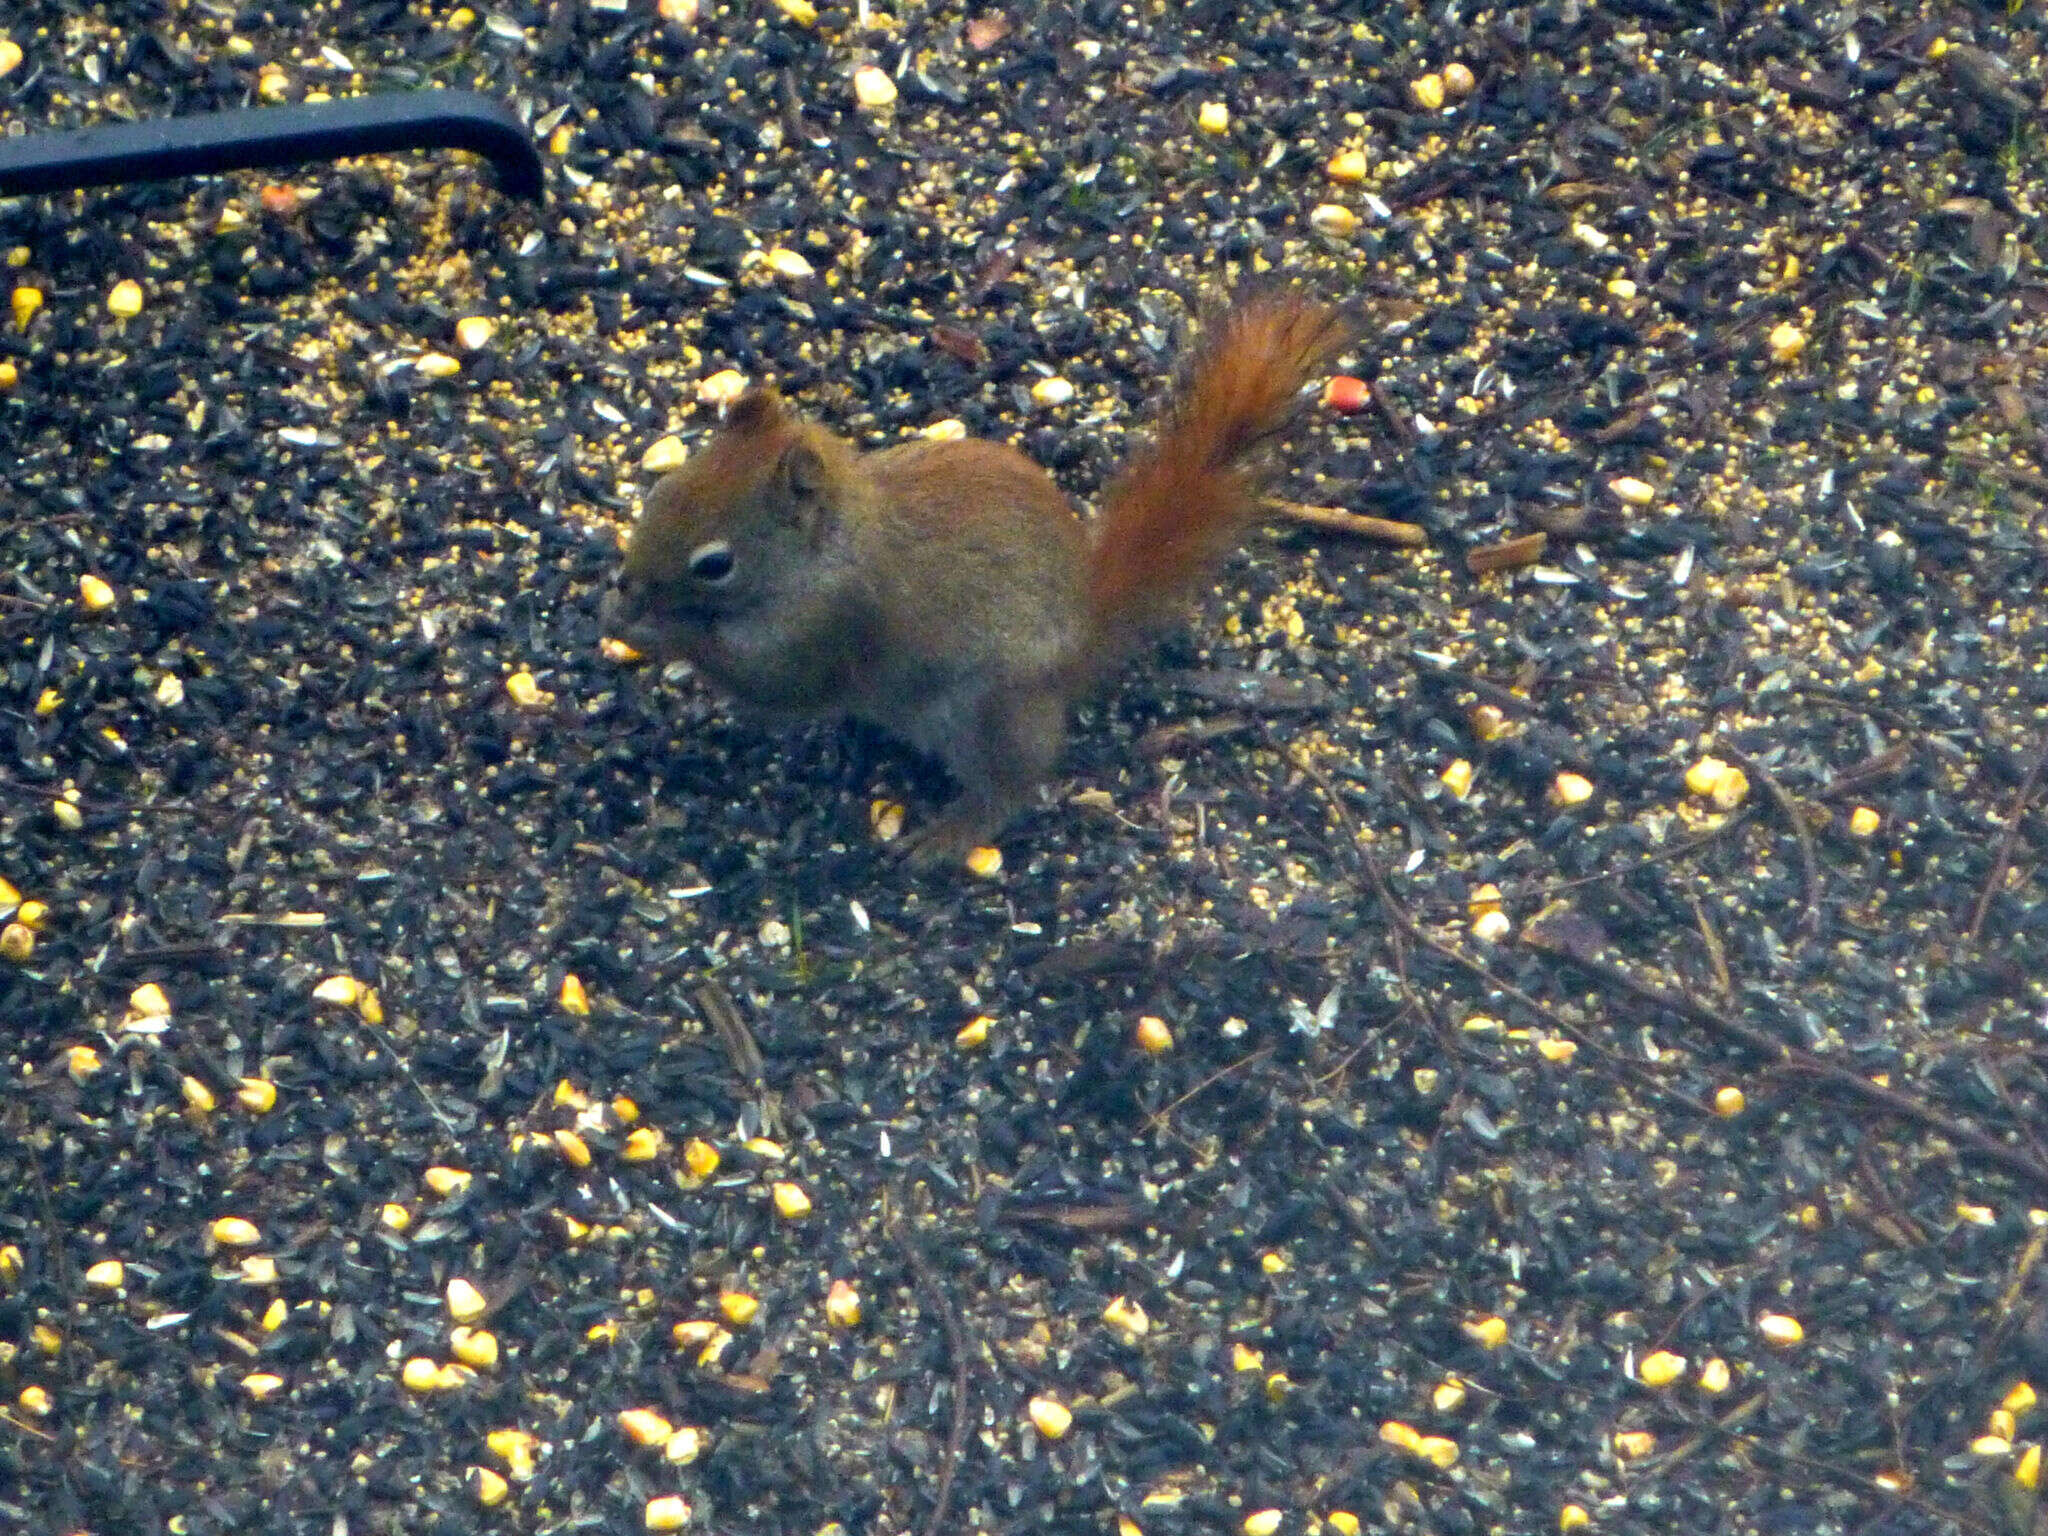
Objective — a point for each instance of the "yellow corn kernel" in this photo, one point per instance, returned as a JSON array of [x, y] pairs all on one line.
[[474, 1346], [842, 1305], [1049, 1416], [1127, 1319], [514, 1447], [1569, 789], [342, 991], [1487, 1332], [490, 1488], [1348, 166], [1779, 1329], [258, 1095], [643, 1426], [700, 1157], [1439, 1451], [465, 1302], [722, 388]]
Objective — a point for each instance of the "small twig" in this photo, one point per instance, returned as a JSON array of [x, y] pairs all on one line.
[[1671, 853], [24, 1426], [1809, 920], [1903, 1230], [1716, 956], [2029, 1260], [2003, 861], [741, 1051], [1485, 559], [1398, 423], [1872, 770], [1725, 1425], [1381, 530], [1727, 1428], [448, 1123], [1997, 469], [60, 1260], [1771, 1047], [1157, 1120], [956, 1348], [1404, 923]]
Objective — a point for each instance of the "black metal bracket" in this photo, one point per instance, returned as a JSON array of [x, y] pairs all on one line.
[[206, 143]]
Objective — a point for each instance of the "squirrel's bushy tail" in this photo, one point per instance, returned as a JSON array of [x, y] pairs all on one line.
[[1183, 501]]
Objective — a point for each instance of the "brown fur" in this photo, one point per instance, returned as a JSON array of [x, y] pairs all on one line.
[[1183, 502], [945, 591]]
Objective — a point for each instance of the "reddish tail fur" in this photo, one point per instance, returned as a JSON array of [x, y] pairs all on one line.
[[1185, 500]]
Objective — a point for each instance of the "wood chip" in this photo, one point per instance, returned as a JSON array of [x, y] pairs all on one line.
[[1381, 530], [1508, 554]]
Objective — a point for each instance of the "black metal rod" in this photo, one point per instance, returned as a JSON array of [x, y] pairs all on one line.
[[206, 143]]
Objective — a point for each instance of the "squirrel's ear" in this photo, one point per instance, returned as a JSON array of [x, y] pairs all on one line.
[[803, 472], [758, 410], [806, 486]]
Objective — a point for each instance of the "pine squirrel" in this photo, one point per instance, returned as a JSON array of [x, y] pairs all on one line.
[[945, 590]]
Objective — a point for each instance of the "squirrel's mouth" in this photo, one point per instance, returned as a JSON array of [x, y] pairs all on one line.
[[659, 635], [621, 619]]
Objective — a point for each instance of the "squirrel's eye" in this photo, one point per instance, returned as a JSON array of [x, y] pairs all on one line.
[[712, 562]]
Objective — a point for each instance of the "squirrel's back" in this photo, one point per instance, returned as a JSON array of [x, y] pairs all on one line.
[[978, 560]]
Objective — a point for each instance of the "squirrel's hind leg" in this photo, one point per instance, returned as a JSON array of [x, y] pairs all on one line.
[[1011, 745]]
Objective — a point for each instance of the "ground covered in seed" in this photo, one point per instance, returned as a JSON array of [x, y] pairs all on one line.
[[1556, 1130]]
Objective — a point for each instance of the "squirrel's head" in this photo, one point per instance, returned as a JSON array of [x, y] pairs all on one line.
[[738, 528]]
